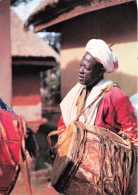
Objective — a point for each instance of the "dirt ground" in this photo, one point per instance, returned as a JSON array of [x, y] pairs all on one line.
[[40, 183], [42, 167]]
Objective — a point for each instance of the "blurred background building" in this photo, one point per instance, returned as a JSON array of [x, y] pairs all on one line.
[[80, 21], [30, 56]]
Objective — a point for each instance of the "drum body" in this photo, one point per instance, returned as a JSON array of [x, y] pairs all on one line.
[[11, 142], [93, 160]]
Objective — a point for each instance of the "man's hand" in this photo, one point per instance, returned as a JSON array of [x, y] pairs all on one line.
[[52, 154]]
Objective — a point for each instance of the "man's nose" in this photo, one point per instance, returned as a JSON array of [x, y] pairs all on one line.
[[81, 69]]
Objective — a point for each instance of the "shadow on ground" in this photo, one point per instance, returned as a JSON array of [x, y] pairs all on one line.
[[42, 161]]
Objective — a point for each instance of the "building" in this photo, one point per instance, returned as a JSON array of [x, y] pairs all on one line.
[[80, 21], [30, 55]]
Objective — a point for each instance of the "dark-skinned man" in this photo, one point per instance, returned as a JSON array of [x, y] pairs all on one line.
[[111, 110]]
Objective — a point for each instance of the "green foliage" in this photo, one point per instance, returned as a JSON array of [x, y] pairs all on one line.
[[54, 40], [51, 84]]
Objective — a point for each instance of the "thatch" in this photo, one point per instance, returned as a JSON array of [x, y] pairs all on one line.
[[28, 44], [53, 8], [49, 10]]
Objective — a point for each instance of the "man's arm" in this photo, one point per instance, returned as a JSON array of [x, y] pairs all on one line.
[[117, 114], [127, 119]]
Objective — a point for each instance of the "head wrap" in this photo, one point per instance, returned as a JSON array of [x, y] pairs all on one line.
[[103, 54]]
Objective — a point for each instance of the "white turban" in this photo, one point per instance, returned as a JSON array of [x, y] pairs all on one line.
[[103, 54]]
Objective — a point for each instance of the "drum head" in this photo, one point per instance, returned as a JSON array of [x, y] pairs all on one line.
[[68, 157]]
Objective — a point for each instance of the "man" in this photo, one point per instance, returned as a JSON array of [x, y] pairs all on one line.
[[95, 100], [112, 109]]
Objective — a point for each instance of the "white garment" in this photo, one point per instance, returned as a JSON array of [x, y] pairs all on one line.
[[69, 108], [103, 54]]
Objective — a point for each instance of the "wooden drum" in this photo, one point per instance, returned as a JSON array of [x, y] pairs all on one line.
[[93, 160]]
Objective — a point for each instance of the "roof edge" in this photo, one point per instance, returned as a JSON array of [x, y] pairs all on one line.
[[78, 10]]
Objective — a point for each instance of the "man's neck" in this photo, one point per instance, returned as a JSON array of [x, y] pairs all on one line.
[[89, 87]]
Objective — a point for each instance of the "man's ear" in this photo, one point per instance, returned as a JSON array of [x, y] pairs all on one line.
[[100, 73], [100, 70]]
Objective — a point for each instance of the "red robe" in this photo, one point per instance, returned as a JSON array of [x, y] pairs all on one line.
[[115, 112]]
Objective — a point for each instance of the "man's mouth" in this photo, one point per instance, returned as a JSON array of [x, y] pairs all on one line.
[[81, 76], [81, 79]]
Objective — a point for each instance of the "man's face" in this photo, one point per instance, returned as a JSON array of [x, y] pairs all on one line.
[[88, 74]]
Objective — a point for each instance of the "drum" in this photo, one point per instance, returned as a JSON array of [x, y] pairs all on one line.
[[93, 160], [12, 149]]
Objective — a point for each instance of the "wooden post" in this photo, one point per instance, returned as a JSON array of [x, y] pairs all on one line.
[[5, 53]]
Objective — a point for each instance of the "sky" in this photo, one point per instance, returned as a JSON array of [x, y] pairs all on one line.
[[24, 10]]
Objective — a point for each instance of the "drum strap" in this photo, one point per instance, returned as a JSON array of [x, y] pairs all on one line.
[[49, 139], [22, 155], [25, 173], [77, 123], [103, 91], [24, 165]]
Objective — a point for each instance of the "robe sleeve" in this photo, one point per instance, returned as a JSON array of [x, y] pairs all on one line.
[[117, 114], [62, 129], [126, 117]]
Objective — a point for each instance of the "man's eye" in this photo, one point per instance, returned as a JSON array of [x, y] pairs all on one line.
[[88, 68]]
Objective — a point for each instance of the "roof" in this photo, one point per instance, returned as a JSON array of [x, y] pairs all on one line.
[[28, 44], [51, 12]]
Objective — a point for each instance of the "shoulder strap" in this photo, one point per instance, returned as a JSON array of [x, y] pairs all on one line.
[[25, 173], [23, 163], [103, 91]]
